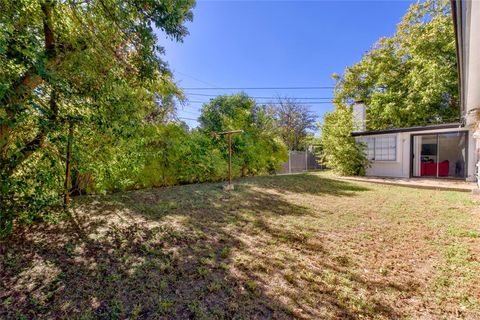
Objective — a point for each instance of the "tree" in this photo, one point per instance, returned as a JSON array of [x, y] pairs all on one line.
[[91, 64], [340, 150], [258, 149], [293, 122], [411, 78]]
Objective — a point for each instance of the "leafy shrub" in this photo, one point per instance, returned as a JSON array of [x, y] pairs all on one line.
[[341, 152]]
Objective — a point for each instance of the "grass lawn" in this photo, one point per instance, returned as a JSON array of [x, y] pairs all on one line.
[[301, 246]]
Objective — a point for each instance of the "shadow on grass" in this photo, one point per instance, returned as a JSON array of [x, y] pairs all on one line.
[[180, 252], [307, 183]]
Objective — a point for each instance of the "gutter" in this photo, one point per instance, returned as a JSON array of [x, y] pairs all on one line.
[[456, 125]]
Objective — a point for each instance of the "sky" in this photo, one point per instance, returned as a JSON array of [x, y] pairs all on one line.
[[253, 44]]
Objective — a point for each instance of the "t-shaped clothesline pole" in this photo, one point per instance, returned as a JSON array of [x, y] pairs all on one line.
[[229, 135]]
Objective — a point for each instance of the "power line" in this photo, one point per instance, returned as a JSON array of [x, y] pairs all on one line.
[[300, 102], [184, 118], [274, 98], [260, 88], [196, 79]]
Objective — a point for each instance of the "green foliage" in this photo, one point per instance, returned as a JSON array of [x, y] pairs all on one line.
[[91, 63], [179, 156], [405, 80], [341, 152], [411, 78], [95, 66], [258, 149]]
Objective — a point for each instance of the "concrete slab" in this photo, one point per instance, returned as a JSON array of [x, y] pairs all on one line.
[[422, 183]]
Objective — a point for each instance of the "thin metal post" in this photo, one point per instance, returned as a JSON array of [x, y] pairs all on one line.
[[66, 199], [229, 186], [438, 152], [230, 158]]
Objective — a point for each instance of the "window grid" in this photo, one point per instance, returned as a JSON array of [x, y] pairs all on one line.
[[380, 148]]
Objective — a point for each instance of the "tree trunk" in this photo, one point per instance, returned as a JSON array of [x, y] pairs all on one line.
[[21, 89]]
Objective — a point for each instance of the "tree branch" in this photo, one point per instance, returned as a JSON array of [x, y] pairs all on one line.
[[30, 80]]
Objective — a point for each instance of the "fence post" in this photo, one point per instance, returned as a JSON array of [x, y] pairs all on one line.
[[306, 160], [289, 162]]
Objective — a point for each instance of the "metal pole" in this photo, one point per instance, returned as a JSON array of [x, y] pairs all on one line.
[[229, 186], [438, 153], [230, 159], [66, 198]]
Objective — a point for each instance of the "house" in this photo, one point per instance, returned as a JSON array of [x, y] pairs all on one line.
[[450, 150], [436, 151]]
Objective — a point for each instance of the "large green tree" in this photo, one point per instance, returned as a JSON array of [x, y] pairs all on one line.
[[410, 78], [258, 149], [405, 80], [89, 69]]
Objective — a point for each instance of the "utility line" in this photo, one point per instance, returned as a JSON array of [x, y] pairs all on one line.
[[274, 98], [196, 79], [184, 118], [259, 88], [300, 102]]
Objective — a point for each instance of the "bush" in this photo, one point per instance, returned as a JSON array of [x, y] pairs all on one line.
[[341, 152]]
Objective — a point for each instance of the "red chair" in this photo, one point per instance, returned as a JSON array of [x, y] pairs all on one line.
[[443, 168], [429, 169]]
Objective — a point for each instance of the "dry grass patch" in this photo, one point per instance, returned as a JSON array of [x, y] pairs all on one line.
[[304, 246]]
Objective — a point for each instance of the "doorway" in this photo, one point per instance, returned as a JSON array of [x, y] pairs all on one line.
[[440, 155]]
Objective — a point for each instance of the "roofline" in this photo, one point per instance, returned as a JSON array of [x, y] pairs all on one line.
[[454, 125]]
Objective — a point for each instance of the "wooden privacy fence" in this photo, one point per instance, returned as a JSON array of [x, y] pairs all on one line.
[[301, 161]]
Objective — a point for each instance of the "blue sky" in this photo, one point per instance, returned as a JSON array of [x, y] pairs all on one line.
[[275, 44]]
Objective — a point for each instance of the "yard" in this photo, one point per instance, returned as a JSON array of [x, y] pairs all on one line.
[[301, 246]]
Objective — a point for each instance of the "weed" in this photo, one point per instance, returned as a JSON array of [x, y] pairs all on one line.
[[116, 308], [195, 308], [225, 252], [207, 261], [7, 301], [214, 286], [164, 306], [251, 285], [289, 276], [163, 284], [462, 233], [136, 311], [202, 271], [69, 248], [223, 266]]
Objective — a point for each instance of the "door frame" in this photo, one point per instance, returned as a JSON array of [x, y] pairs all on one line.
[[412, 155]]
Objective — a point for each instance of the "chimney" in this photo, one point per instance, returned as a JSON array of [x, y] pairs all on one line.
[[359, 116]]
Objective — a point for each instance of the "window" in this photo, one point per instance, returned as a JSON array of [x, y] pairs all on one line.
[[383, 148]]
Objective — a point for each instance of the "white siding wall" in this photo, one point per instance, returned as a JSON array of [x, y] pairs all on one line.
[[400, 168], [397, 168]]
